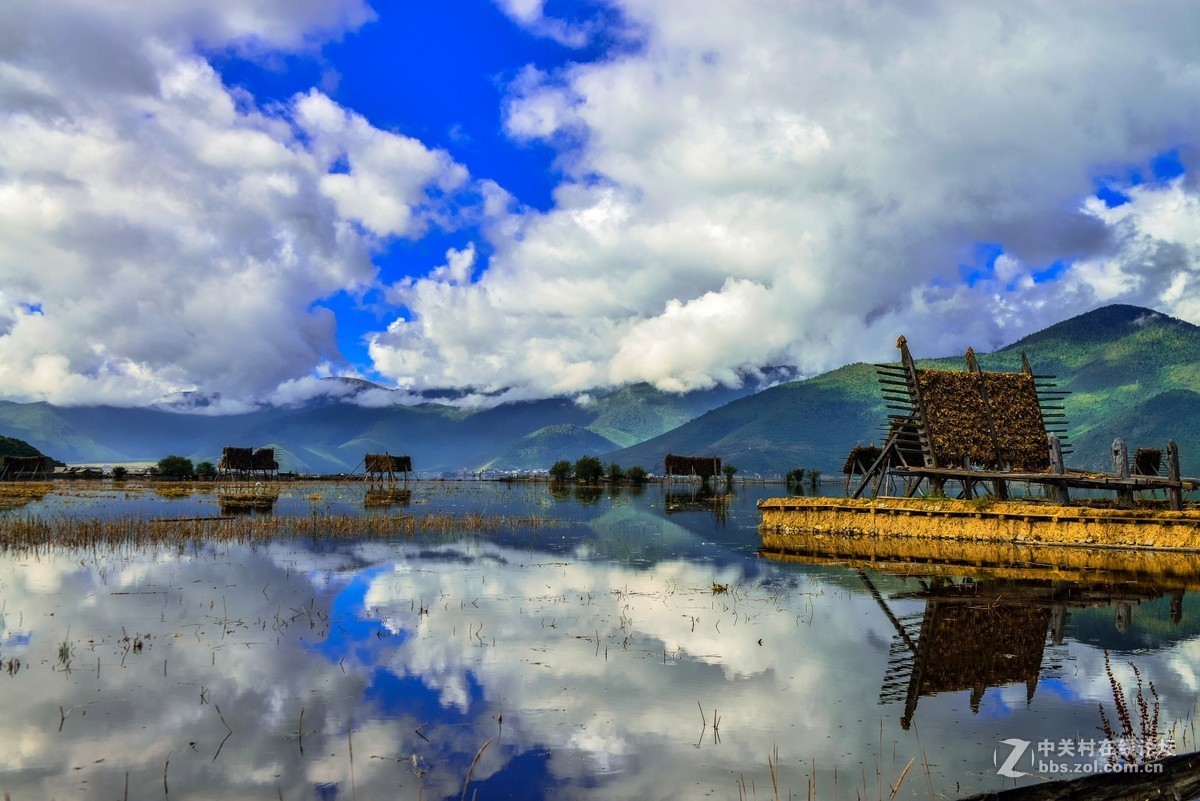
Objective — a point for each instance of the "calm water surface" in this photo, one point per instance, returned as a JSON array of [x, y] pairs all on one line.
[[639, 646]]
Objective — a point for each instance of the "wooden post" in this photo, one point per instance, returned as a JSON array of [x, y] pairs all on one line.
[[936, 485], [1058, 492], [1120, 469], [1175, 493]]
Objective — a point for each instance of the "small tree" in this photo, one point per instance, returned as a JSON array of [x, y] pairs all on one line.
[[795, 476], [206, 470], [176, 467], [814, 478], [615, 473], [636, 475], [120, 472], [730, 471], [562, 471], [589, 469]]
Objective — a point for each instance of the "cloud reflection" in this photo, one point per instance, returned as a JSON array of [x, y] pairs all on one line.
[[584, 674]]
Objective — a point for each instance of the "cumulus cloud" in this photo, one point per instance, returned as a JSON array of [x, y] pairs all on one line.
[[798, 184], [741, 187], [161, 231]]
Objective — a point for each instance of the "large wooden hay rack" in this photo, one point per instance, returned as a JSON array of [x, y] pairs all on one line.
[[982, 431]]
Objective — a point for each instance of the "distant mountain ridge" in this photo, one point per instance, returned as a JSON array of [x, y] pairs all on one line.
[[330, 433], [1132, 372], [1124, 365]]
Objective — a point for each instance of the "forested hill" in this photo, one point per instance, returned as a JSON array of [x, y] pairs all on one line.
[[11, 446], [1132, 372]]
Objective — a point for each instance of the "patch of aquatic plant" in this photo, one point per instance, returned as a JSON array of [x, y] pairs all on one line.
[[1138, 740]]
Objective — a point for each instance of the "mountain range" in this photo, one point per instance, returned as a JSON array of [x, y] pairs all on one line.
[[1132, 372]]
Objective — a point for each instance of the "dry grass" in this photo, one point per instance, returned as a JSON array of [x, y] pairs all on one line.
[[30, 532]]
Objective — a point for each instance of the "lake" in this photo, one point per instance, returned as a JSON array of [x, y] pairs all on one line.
[[582, 644]]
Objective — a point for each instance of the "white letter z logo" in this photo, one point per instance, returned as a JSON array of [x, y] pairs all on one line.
[[1018, 749]]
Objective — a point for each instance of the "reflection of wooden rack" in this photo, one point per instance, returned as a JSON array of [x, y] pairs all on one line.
[[975, 635]]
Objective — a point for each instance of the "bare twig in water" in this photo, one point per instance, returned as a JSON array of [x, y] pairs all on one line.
[[350, 742], [900, 781], [471, 772]]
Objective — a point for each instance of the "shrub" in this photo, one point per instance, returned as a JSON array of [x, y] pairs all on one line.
[[589, 469], [176, 467], [615, 473], [562, 471], [636, 475]]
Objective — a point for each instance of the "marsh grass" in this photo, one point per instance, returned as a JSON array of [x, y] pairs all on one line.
[[19, 493], [29, 532]]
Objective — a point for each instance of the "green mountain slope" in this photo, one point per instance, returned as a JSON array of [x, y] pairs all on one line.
[[1116, 361], [548, 445], [805, 423], [1174, 414], [10, 446]]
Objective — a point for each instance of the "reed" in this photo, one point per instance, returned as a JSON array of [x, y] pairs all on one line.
[[1137, 740], [28, 532]]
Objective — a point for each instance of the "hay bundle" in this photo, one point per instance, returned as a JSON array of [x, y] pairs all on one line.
[[236, 459], [960, 422], [702, 466], [955, 418], [1020, 428], [264, 459], [861, 458], [1147, 461], [386, 463]]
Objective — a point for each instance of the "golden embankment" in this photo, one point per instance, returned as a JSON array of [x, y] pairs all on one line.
[[940, 519]]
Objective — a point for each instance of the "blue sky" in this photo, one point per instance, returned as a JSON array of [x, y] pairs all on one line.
[[524, 198]]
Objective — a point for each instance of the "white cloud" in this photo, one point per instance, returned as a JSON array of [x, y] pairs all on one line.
[[171, 233], [799, 184], [783, 184]]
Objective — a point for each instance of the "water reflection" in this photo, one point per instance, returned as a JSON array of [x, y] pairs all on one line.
[[974, 634], [699, 497], [592, 658], [386, 497]]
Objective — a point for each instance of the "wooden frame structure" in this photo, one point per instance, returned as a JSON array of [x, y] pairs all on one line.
[[702, 467], [380, 467], [988, 429], [13, 468], [245, 463]]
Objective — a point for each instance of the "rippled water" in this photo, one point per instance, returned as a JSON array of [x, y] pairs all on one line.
[[639, 646]]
